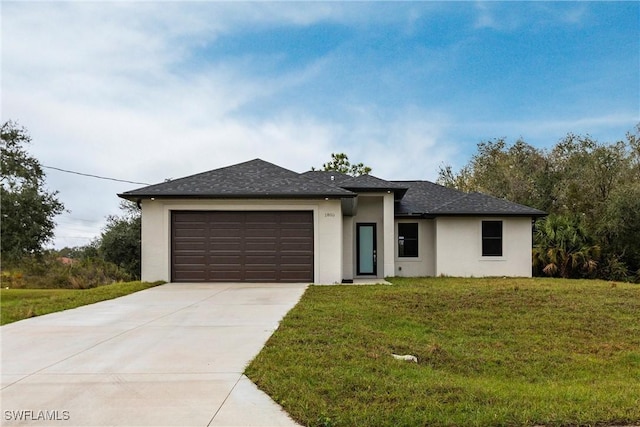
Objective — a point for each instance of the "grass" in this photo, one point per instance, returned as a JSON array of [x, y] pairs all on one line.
[[492, 352], [18, 304]]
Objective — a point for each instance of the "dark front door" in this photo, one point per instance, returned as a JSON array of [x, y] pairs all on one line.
[[367, 250]]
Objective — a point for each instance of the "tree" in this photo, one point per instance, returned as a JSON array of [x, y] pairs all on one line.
[[619, 226], [462, 180], [88, 251], [340, 163], [519, 173], [563, 248], [120, 242], [28, 209], [587, 173]]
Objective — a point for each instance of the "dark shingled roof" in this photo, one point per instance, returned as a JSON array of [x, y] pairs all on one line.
[[252, 179], [482, 204], [361, 183], [328, 177], [260, 179], [425, 198]]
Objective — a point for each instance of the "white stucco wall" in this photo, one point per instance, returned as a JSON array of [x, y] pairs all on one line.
[[459, 248], [425, 263], [348, 243], [156, 232], [389, 235]]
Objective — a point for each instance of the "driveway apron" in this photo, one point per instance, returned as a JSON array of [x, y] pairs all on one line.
[[172, 355]]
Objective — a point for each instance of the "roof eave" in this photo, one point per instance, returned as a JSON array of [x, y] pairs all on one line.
[[397, 192], [492, 214], [137, 197], [406, 215]]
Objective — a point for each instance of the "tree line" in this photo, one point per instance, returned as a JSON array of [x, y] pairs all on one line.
[[590, 189], [27, 222]]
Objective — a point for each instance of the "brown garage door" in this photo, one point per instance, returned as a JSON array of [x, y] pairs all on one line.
[[225, 246]]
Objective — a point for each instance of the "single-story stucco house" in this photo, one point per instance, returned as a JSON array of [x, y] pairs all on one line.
[[258, 222]]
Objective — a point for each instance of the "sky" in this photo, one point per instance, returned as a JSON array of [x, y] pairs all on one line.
[[147, 91]]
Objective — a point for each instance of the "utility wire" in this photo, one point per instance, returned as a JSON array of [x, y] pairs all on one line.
[[74, 237], [78, 219], [94, 176]]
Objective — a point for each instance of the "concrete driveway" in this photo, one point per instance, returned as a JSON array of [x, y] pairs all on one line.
[[172, 355]]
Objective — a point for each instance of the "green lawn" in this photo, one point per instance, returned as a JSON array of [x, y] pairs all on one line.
[[18, 304], [491, 352]]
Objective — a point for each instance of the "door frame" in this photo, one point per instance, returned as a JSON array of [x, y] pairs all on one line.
[[374, 225]]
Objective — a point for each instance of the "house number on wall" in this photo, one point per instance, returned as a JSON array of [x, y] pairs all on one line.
[[329, 214]]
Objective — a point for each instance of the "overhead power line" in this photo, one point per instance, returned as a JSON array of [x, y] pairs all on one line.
[[92, 221], [59, 238], [94, 176]]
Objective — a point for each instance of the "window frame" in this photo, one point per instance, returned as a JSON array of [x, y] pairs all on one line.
[[488, 237], [402, 238]]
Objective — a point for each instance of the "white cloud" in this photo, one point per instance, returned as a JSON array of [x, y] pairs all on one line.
[[102, 88], [501, 16], [408, 144], [117, 89], [492, 15]]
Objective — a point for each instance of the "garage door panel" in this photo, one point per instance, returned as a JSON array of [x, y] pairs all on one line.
[[296, 234], [225, 247], [218, 260], [214, 256], [227, 269], [294, 272], [295, 221], [222, 233], [297, 259], [224, 276], [260, 276], [261, 233], [191, 276], [261, 246], [188, 243], [220, 246], [236, 223], [190, 237], [263, 260], [191, 233], [294, 276], [192, 221], [199, 269], [189, 252], [308, 255], [296, 246], [189, 260], [296, 225], [193, 218], [254, 223], [257, 268]]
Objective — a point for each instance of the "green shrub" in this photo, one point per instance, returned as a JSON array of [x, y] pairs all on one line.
[[49, 272]]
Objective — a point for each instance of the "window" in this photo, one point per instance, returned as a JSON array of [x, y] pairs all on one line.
[[407, 240], [491, 238]]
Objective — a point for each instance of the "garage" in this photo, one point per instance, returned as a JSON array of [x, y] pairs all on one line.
[[242, 246]]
